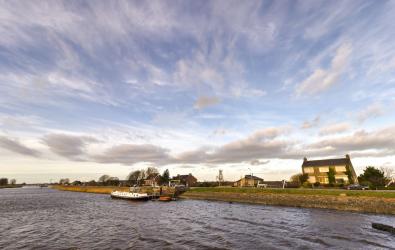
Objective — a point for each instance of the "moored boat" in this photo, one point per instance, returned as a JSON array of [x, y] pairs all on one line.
[[133, 194], [129, 195], [165, 198]]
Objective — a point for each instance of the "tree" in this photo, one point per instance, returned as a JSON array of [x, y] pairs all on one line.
[[331, 176], [64, 181], [151, 172], [104, 178], [349, 175], [91, 183], [142, 174], [388, 172], [299, 178], [76, 183], [134, 176], [165, 177], [3, 181], [373, 177], [113, 181], [12, 182]]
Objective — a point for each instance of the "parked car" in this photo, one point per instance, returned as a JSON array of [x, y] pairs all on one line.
[[357, 187]]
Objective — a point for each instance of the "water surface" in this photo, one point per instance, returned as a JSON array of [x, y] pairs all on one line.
[[34, 218]]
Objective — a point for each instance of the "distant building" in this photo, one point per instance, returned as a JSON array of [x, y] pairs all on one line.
[[248, 181], [150, 182], [188, 180], [317, 170]]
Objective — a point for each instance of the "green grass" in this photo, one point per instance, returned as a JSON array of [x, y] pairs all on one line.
[[298, 191]]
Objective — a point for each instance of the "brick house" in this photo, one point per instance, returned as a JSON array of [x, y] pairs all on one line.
[[248, 181], [188, 180], [318, 170]]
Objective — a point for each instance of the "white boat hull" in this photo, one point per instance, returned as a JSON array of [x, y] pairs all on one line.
[[130, 196]]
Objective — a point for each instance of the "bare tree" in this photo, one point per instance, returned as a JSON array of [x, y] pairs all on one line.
[[389, 172], [151, 172], [12, 182], [64, 181], [104, 178], [134, 176]]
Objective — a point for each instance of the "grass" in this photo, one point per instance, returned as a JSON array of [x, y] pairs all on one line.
[[91, 189], [11, 186], [106, 189], [298, 191]]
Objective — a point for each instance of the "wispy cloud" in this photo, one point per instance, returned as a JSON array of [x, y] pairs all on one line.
[[129, 82], [258, 162], [372, 111], [335, 128], [322, 79], [206, 101], [312, 123]]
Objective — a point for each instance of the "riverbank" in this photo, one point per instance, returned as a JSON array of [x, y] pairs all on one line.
[[11, 186], [380, 202], [109, 189]]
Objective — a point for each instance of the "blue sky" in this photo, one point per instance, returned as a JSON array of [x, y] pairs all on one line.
[[107, 87]]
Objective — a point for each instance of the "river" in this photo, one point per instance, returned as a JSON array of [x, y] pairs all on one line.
[[42, 218]]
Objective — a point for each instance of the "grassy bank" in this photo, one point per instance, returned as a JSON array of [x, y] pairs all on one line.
[[90, 189], [11, 186], [382, 202], [107, 189], [299, 191]]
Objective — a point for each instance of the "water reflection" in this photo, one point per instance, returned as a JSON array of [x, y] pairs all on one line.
[[50, 219]]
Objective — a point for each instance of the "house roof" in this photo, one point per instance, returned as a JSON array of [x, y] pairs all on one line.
[[253, 177], [182, 176], [326, 162]]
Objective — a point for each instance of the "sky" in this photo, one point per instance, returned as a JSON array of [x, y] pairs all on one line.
[[107, 87]]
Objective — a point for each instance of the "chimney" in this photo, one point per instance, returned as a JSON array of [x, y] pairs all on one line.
[[304, 159], [347, 156]]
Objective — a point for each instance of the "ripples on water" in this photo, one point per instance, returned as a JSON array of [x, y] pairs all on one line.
[[34, 218]]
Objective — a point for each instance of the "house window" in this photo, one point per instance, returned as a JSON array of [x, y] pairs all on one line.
[[323, 180], [309, 170], [340, 169], [341, 177], [324, 169], [312, 179]]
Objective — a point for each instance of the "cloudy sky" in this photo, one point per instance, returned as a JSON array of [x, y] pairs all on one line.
[[106, 87]]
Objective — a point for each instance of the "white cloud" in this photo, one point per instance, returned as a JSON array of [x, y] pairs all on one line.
[[69, 146], [335, 128], [312, 123], [130, 154], [206, 101], [258, 162], [17, 147], [361, 143], [322, 79], [372, 111]]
